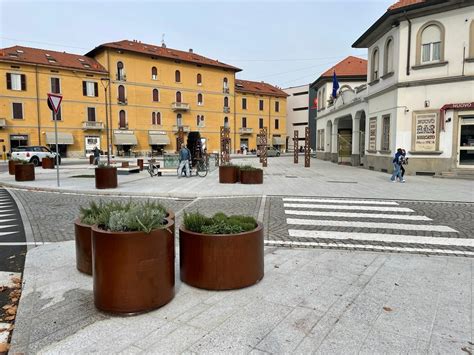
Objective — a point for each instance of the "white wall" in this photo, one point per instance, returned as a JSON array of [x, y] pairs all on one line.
[[296, 116]]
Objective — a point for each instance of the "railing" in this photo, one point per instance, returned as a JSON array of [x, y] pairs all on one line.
[[92, 125], [179, 106], [122, 101], [245, 130], [226, 109], [185, 128], [3, 122], [121, 77], [225, 90]]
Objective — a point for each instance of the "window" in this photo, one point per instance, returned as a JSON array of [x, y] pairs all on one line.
[[226, 101], [199, 99], [55, 86], [277, 106], [91, 114], [244, 103], [156, 96], [200, 121], [226, 122], [375, 65], [90, 88], [177, 76], [179, 120], [16, 82], [244, 122], [122, 119], [154, 73], [17, 110], [58, 115], [388, 57], [156, 118], [121, 94], [277, 124], [260, 105], [385, 146], [225, 83], [431, 44], [199, 79], [178, 96], [260, 123], [120, 71]]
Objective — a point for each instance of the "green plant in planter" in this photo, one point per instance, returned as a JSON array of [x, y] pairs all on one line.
[[248, 168], [104, 165], [220, 223]]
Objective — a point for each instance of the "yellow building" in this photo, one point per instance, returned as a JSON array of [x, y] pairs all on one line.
[[259, 105], [151, 91]]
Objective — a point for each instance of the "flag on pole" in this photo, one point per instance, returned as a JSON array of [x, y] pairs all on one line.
[[335, 85]]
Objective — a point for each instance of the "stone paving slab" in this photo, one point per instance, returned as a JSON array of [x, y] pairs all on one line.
[[310, 301]]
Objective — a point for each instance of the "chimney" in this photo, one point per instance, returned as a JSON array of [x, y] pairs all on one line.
[[190, 50], [163, 45]]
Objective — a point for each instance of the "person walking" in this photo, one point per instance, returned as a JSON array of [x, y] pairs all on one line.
[[96, 152], [396, 166], [403, 160], [184, 160]]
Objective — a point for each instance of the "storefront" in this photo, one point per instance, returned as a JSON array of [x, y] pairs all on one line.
[[90, 142], [279, 142], [17, 140], [158, 140], [64, 139], [125, 141]]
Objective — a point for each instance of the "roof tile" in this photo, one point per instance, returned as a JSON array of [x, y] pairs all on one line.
[[351, 66], [256, 87], [404, 3]]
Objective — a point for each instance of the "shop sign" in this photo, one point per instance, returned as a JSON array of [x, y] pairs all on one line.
[[373, 134], [425, 132], [18, 137]]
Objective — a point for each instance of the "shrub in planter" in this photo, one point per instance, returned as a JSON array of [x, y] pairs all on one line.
[[11, 165], [133, 258], [221, 252], [251, 175], [228, 174], [47, 163], [24, 171], [105, 177]]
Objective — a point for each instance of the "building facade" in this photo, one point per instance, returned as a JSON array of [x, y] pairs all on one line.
[[297, 114], [420, 90]]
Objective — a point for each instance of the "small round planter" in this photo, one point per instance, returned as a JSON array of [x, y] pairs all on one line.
[[125, 164], [91, 159], [11, 166], [133, 271], [47, 163], [83, 233], [251, 176], [228, 174], [221, 262], [106, 178], [140, 163], [24, 172]]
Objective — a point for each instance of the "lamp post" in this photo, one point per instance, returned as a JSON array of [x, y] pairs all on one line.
[[105, 83]]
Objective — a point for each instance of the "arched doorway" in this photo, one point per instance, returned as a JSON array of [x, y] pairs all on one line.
[[344, 140]]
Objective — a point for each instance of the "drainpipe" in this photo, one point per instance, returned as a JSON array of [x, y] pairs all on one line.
[[235, 119], [110, 105], [409, 44], [38, 105], [269, 119]]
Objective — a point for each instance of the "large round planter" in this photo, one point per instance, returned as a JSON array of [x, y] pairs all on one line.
[[83, 234], [251, 176], [47, 163], [221, 262], [133, 271], [228, 174], [11, 166], [24, 172], [106, 178]]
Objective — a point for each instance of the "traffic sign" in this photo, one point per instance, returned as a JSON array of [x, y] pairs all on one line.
[[55, 101]]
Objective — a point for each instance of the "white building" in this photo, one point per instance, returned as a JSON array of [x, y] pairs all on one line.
[[296, 114], [419, 95]]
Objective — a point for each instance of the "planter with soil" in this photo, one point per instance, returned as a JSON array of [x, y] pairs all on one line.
[[24, 172], [106, 177], [228, 174], [251, 175]]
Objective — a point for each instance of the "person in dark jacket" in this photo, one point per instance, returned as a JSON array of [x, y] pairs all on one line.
[[184, 160], [96, 152], [396, 166]]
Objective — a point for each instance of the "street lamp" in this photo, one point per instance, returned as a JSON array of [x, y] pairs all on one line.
[[106, 83]]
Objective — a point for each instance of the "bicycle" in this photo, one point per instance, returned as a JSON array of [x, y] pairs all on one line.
[[201, 168], [153, 169]]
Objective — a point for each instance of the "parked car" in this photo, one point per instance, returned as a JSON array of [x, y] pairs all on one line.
[[33, 154], [271, 152]]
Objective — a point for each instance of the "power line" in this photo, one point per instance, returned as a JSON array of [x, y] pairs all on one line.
[[39, 42], [279, 60]]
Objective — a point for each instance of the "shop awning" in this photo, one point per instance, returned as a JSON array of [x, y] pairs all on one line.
[[278, 141], [63, 138], [125, 139], [158, 139]]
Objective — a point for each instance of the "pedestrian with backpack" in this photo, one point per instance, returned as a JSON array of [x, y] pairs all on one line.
[[396, 166]]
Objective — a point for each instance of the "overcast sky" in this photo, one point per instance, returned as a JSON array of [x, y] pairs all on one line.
[[285, 43]]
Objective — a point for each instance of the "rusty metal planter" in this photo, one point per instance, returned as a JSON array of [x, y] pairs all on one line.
[[47, 163], [140, 163], [228, 174], [221, 262], [251, 176], [83, 233], [133, 271], [106, 178], [24, 172], [11, 166]]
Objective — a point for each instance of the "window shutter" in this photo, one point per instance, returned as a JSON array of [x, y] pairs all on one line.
[[96, 90], [9, 81], [84, 88], [23, 82]]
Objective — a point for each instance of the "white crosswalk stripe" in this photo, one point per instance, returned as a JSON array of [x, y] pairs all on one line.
[[357, 215], [344, 207], [345, 202]]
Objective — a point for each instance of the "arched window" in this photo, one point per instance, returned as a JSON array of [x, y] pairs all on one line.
[[156, 118], [120, 71], [430, 43], [375, 65], [179, 120], [200, 121], [177, 76], [122, 119], [178, 96], [225, 83], [323, 98], [199, 99], [199, 79], [388, 56], [121, 94], [154, 73], [156, 96], [226, 101], [226, 122]]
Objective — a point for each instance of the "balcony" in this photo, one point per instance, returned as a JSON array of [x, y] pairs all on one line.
[[179, 106], [225, 90], [3, 123], [245, 130], [186, 129], [92, 125], [122, 101], [121, 77], [226, 109]]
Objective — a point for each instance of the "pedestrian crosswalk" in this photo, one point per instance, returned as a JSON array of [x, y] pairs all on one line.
[[368, 225], [10, 221]]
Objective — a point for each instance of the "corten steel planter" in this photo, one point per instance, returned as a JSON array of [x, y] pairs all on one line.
[[24, 172], [140, 163], [133, 271], [47, 163], [91, 159], [83, 233], [106, 178], [251, 176], [221, 262], [125, 164], [228, 174], [11, 166]]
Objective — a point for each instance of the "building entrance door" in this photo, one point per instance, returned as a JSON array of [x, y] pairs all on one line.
[[466, 142], [344, 148]]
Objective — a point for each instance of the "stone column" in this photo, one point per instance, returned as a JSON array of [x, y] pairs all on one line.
[[355, 158], [334, 142]]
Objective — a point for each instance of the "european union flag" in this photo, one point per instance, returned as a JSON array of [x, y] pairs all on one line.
[[335, 85]]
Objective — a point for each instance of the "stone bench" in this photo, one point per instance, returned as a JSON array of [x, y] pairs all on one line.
[[128, 170]]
